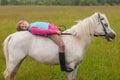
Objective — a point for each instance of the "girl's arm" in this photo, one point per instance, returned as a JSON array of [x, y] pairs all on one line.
[[38, 31]]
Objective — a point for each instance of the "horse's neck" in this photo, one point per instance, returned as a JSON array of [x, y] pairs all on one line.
[[82, 31]]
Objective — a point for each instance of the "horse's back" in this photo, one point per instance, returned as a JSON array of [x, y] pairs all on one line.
[[25, 38]]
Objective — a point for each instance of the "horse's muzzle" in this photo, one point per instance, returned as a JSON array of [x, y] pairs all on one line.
[[110, 36]]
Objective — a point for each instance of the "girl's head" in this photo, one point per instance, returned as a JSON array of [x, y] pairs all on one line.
[[22, 25]]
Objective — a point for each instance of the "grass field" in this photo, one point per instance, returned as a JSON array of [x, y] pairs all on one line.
[[101, 60]]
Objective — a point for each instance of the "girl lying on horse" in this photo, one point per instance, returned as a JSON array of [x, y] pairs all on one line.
[[52, 32]]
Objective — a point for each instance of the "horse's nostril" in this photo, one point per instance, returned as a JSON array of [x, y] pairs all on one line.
[[112, 35]]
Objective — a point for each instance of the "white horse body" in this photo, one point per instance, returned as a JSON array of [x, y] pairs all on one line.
[[44, 49], [23, 43]]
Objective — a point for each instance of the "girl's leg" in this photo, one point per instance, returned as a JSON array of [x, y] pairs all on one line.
[[58, 40]]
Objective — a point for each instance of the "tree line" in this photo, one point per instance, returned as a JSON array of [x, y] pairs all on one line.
[[60, 2]]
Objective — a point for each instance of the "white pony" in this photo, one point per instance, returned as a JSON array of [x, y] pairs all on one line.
[[20, 44]]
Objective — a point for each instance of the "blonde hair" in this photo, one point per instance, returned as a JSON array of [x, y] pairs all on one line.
[[18, 25]]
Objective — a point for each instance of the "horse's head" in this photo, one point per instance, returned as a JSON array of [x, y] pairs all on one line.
[[103, 27]]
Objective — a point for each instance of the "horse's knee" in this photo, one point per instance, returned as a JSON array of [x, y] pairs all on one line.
[[70, 77], [9, 75], [6, 75]]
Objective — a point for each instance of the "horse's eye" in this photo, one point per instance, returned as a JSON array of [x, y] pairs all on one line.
[[102, 18], [106, 24]]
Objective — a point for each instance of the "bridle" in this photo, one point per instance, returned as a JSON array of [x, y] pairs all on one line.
[[100, 19]]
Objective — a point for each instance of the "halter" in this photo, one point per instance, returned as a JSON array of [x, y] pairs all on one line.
[[106, 34]]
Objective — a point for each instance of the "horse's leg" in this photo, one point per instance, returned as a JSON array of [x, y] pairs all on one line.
[[17, 67], [75, 72], [12, 68], [9, 74], [72, 75]]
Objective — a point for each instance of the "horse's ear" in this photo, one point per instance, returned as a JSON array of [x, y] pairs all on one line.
[[98, 15], [98, 12]]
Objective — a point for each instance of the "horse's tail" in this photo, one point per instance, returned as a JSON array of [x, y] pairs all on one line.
[[5, 48]]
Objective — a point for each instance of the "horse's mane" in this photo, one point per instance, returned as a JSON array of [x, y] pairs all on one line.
[[84, 27]]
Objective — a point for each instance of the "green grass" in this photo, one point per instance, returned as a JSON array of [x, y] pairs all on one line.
[[101, 60]]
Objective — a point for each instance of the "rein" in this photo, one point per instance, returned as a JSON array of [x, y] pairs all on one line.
[[63, 27], [66, 33]]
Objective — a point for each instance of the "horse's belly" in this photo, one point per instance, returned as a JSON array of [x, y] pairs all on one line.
[[45, 52], [46, 58]]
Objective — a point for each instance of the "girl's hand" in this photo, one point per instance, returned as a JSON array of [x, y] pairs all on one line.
[[58, 32], [60, 29]]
